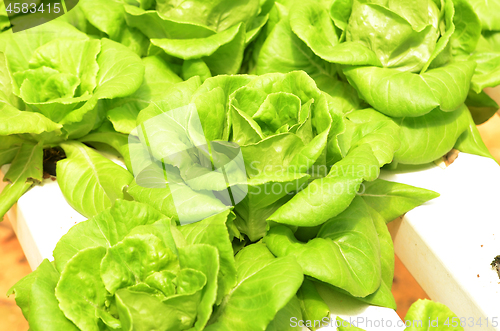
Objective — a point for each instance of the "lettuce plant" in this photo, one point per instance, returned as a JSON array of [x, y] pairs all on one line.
[[288, 134], [143, 273], [117, 272], [57, 86], [487, 57], [206, 37], [311, 173], [411, 62]]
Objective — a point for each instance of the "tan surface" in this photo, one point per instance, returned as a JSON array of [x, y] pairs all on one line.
[[490, 132], [13, 266], [405, 289]]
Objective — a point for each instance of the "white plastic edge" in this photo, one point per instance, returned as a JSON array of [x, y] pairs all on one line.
[[448, 243]]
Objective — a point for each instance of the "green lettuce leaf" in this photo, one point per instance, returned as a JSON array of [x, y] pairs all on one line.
[[256, 267], [89, 181], [345, 253], [26, 170]]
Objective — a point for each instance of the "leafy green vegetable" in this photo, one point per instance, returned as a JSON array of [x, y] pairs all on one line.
[[58, 84], [23, 173], [213, 33], [89, 181], [252, 192], [117, 271], [438, 313]]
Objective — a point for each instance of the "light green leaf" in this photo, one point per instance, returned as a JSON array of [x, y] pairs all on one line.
[[105, 229], [488, 13], [429, 137], [467, 28], [116, 140], [15, 121], [327, 197], [8, 155], [182, 208], [283, 321], [425, 310], [216, 15], [26, 170], [158, 78], [346, 253], [481, 106], [299, 56], [45, 313], [245, 302], [471, 142], [487, 73], [370, 127], [89, 181], [311, 304], [155, 26], [399, 94], [346, 326], [80, 291], [222, 52], [213, 231], [204, 258], [134, 259], [392, 200]]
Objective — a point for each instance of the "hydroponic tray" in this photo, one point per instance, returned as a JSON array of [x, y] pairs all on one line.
[[448, 244]]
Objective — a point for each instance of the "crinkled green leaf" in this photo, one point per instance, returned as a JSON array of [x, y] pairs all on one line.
[[121, 73], [400, 35], [346, 253], [399, 94], [213, 231], [80, 290], [105, 229], [487, 11], [216, 15], [134, 259], [246, 302]]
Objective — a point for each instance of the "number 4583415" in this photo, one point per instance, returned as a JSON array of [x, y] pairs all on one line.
[[471, 321], [32, 8]]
